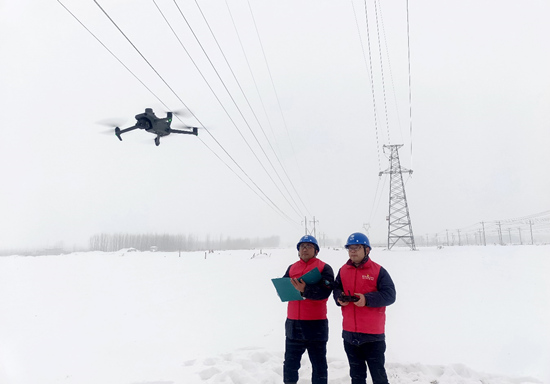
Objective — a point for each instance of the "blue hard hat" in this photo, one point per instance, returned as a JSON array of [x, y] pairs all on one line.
[[308, 239], [358, 238]]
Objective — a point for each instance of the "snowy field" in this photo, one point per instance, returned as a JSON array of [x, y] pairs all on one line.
[[462, 315]]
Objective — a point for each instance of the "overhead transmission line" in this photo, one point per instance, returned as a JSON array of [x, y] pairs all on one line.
[[369, 68], [390, 69], [232, 99], [410, 85], [275, 91], [383, 82], [496, 227], [251, 73], [244, 95], [369, 73], [381, 35], [273, 205], [177, 96], [112, 53], [263, 106], [536, 217], [373, 91]]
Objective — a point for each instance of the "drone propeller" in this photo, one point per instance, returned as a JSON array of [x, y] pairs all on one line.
[[182, 126], [182, 112], [112, 122]]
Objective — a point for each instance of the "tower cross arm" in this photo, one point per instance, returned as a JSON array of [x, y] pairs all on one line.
[[392, 171]]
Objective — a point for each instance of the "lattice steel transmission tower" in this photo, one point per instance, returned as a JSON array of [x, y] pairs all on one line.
[[399, 220]]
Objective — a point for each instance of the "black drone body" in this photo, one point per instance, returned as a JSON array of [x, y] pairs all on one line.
[[151, 123]]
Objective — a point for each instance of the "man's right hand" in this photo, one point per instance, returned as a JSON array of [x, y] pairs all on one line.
[[343, 303], [298, 284]]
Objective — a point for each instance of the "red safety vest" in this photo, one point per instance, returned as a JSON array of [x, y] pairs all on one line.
[[306, 309], [362, 280]]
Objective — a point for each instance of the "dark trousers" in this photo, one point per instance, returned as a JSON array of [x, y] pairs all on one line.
[[371, 354], [317, 351]]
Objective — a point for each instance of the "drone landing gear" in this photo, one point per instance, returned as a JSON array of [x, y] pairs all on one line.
[[157, 141]]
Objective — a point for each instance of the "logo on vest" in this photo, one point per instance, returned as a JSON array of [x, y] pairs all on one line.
[[367, 277]]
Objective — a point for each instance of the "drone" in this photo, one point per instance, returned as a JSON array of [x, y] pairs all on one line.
[[151, 123]]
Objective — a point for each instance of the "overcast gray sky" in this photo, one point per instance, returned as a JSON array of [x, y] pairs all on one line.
[[480, 116]]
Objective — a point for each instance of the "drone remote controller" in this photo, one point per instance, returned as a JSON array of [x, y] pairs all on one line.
[[348, 298]]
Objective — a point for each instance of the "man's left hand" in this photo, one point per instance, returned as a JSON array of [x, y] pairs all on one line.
[[362, 301], [298, 284]]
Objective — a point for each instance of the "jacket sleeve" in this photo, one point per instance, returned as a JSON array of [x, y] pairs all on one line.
[[337, 288], [385, 294], [322, 289]]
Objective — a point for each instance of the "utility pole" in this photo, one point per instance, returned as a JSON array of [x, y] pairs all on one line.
[[314, 230], [399, 220], [366, 227], [305, 224], [500, 234], [484, 239], [531, 229]]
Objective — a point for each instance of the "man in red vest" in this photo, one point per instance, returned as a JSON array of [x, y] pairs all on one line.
[[306, 326], [363, 289]]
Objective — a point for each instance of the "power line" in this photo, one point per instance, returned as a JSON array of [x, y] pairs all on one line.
[[410, 81], [232, 99], [372, 83], [273, 205], [535, 223], [253, 112], [382, 70], [372, 87], [112, 53], [263, 106], [275, 92], [390, 70]]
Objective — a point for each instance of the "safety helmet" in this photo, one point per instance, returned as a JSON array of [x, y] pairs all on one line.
[[308, 239], [358, 238]]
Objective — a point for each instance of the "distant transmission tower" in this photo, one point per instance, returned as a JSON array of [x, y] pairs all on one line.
[[399, 221]]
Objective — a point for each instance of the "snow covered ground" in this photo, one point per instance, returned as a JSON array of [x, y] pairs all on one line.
[[462, 315]]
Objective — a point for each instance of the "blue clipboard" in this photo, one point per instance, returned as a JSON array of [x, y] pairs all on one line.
[[286, 290]]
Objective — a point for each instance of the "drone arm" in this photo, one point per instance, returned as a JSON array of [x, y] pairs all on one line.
[[194, 131], [129, 129], [119, 131]]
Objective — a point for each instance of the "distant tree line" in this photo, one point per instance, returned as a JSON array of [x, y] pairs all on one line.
[[171, 243]]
